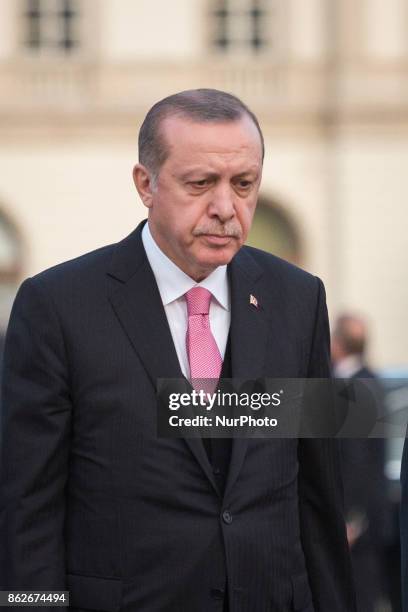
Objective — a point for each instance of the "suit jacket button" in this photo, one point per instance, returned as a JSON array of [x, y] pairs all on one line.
[[217, 593], [227, 517], [216, 471]]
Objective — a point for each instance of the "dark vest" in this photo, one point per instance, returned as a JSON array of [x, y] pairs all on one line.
[[219, 449]]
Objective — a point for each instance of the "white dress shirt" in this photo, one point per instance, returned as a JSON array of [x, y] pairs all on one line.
[[173, 283]]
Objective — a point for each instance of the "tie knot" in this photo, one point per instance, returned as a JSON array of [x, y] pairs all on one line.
[[198, 301]]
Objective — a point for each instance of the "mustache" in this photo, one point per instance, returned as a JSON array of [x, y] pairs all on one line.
[[229, 230]]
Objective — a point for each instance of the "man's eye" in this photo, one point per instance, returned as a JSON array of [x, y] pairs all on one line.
[[201, 183], [244, 184]]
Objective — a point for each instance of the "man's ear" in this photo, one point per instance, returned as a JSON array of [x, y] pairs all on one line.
[[144, 184]]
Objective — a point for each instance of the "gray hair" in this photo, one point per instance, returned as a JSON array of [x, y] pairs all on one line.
[[200, 105]]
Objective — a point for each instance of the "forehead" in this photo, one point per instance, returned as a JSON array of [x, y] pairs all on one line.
[[225, 141]]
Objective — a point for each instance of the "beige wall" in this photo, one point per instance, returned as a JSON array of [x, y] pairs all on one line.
[[374, 237], [68, 199], [152, 29], [7, 28], [385, 29], [307, 39]]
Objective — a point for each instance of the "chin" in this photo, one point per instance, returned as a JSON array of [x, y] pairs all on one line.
[[219, 257], [214, 262]]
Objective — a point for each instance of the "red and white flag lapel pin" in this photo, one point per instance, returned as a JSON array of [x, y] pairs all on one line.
[[253, 301]]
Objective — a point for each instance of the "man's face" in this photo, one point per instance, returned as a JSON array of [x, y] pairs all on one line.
[[202, 204]]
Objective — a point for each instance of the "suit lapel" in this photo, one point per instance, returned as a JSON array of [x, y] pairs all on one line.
[[137, 303], [249, 323], [249, 336]]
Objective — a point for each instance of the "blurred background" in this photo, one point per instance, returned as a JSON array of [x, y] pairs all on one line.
[[328, 81]]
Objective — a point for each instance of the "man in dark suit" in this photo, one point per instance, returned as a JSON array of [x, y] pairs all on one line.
[[368, 512], [93, 499], [1, 365], [1, 352], [404, 527], [1, 349]]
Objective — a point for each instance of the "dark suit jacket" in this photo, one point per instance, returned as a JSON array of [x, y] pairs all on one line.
[[365, 484], [404, 527], [365, 494], [1, 370], [1, 352], [93, 499]]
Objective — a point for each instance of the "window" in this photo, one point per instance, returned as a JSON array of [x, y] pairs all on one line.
[[241, 25], [51, 25]]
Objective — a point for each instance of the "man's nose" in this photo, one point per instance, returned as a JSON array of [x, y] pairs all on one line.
[[222, 203]]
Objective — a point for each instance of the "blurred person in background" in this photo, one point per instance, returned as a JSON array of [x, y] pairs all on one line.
[[366, 504]]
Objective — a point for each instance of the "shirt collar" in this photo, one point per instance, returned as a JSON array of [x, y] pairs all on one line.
[[173, 283]]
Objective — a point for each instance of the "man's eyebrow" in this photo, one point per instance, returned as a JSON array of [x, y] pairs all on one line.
[[198, 172], [252, 172], [252, 175]]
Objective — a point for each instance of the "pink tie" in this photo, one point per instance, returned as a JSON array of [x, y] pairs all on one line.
[[202, 350]]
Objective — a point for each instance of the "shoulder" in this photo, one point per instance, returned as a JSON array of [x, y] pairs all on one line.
[[67, 284], [80, 283], [79, 271], [90, 269]]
